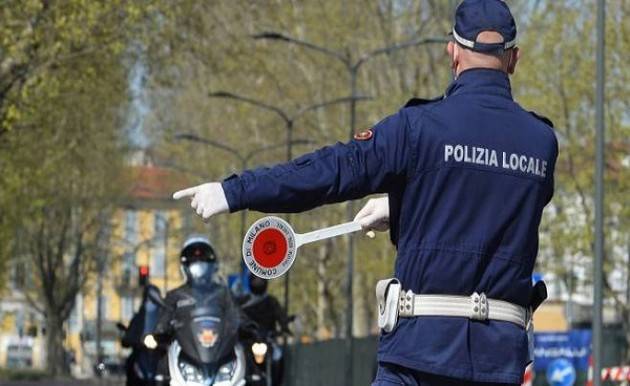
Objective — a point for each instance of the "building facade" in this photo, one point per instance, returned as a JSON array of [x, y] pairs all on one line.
[[146, 231]]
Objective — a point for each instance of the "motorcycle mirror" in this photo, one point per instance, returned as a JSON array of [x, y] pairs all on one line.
[[270, 245], [121, 327]]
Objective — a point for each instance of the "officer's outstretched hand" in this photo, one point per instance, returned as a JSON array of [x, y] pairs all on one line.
[[374, 215], [206, 199]]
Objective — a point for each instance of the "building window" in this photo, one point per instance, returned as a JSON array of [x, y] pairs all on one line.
[[74, 321], [131, 228], [158, 250]]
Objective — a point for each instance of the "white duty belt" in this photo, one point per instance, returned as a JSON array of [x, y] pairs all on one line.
[[476, 306], [393, 303]]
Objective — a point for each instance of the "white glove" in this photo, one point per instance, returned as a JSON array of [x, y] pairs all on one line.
[[207, 199], [374, 215], [150, 342]]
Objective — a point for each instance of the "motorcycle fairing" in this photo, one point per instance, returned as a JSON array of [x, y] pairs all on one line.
[[235, 377], [208, 332]]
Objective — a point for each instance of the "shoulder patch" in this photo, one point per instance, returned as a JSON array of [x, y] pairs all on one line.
[[421, 101], [542, 118], [364, 135]]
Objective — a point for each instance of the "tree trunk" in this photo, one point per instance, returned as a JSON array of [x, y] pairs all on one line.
[[55, 357]]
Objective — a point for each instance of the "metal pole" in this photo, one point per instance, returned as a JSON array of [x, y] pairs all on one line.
[[350, 258], [244, 271], [288, 274], [166, 230], [99, 314], [599, 197], [287, 282]]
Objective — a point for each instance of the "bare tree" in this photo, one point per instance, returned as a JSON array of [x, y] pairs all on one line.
[[63, 244]]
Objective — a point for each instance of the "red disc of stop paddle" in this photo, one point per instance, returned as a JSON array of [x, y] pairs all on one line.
[[269, 247]]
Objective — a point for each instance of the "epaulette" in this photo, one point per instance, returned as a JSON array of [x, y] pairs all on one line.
[[421, 101], [542, 118]]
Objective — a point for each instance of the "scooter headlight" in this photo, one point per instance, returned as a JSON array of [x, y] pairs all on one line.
[[259, 350]]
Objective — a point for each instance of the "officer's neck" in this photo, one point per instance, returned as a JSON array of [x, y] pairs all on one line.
[[464, 68], [480, 80]]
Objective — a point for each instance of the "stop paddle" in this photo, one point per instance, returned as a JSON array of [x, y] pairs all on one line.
[[270, 244]]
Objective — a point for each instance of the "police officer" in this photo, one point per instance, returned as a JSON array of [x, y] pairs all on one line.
[[467, 176]]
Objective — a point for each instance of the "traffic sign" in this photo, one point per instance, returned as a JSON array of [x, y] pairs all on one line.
[[561, 373], [270, 245]]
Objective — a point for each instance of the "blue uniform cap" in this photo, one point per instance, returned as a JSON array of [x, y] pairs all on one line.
[[475, 16]]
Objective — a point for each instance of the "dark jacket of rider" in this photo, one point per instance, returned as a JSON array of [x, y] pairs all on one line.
[[264, 309]]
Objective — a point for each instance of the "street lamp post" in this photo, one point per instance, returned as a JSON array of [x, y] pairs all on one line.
[[598, 263], [352, 67]]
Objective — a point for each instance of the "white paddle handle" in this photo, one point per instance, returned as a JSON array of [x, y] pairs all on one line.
[[326, 233]]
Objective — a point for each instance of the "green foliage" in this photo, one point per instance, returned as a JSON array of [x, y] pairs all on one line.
[[63, 93], [558, 80], [63, 97], [209, 47]]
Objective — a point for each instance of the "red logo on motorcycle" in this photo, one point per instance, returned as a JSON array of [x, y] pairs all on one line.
[[207, 337]]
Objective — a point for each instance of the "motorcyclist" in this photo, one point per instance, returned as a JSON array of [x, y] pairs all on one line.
[[271, 319], [134, 333], [142, 322], [264, 309], [199, 266]]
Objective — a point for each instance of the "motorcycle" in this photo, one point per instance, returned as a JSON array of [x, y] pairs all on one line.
[[205, 348], [268, 356], [268, 361], [141, 364]]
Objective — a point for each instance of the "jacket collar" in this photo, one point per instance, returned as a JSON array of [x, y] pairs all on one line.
[[481, 81]]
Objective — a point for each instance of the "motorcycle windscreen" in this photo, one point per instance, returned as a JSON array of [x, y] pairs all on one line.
[[210, 337]]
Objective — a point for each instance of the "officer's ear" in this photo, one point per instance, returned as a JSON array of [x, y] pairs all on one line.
[[515, 55], [452, 50]]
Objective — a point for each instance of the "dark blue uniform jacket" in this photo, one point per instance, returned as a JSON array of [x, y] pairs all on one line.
[[468, 176]]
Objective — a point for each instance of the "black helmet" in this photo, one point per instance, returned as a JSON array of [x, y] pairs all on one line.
[[257, 285], [198, 260]]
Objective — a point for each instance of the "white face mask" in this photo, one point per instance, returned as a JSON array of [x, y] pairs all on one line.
[[199, 269]]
